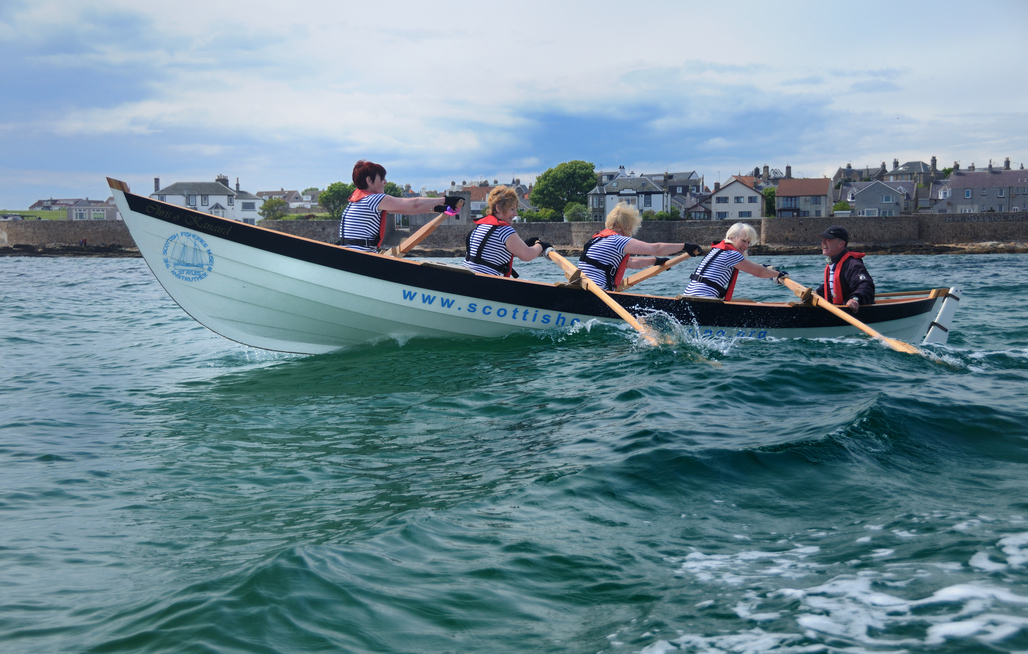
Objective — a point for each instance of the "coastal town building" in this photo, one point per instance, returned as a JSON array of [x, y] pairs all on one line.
[[987, 190], [647, 192], [803, 197], [737, 200], [216, 198], [880, 198]]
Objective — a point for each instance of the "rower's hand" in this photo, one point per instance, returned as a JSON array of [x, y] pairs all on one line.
[[546, 246], [853, 304], [781, 275], [693, 249], [531, 240], [660, 261]]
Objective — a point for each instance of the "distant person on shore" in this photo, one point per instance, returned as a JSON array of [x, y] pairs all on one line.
[[493, 243], [362, 226], [847, 281], [717, 273], [607, 254]]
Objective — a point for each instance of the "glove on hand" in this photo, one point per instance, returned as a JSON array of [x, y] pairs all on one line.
[[693, 249], [531, 240], [781, 275], [660, 261], [546, 246], [452, 206]]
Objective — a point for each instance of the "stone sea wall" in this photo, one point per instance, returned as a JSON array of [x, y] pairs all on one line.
[[911, 231]]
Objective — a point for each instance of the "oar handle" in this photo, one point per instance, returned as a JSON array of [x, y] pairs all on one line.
[[570, 269], [643, 275], [417, 237], [801, 291]]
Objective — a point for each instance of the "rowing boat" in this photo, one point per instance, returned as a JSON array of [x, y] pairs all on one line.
[[277, 291]]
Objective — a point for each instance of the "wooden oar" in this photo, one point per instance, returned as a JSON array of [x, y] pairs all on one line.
[[575, 275], [800, 290], [411, 241], [643, 275]]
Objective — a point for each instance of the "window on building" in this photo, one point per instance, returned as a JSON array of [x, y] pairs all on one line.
[[1001, 193], [648, 202], [162, 198], [249, 206], [967, 193], [722, 200], [789, 203], [739, 199], [203, 200], [870, 212], [745, 214], [722, 215], [678, 189], [752, 199], [81, 214], [231, 200], [888, 212], [816, 200], [817, 213], [983, 192], [98, 214], [191, 200], [887, 199]]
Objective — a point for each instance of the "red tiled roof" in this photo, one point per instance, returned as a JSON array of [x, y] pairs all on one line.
[[803, 187]]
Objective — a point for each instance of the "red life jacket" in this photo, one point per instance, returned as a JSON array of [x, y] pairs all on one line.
[[614, 274], [836, 297], [361, 194], [496, 223], [698, 275]]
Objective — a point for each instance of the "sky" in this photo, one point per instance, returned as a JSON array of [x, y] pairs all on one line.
[[291, 95]]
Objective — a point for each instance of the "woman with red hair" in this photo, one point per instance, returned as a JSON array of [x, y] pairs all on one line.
[[362, 226]]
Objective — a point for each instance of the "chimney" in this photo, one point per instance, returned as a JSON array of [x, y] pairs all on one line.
[[933, 166], [621, 170], [788, 172], [956, 166], [156, 184], [971, 167], [756, 171], [717, 186], [237, 184], [990, 165], [221, 179], [1006, 164], [849, 167], [895, 164]]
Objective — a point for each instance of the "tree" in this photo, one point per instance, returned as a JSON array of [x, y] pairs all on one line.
[[310, 191], [841, 205], [273, 209], [570, 181], [576, 213], [769, 201], [393, 190], [541, 216], [334, 198]]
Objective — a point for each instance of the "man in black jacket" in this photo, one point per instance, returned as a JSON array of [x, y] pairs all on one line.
[[846, 279]]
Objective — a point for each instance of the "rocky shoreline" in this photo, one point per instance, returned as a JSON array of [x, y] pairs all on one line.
[[117, 251]]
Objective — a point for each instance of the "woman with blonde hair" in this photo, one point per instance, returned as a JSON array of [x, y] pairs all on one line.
[[606, 256], [493, 243], [716, 275]]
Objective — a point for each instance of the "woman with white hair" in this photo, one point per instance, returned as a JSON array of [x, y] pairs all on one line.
[[606, 255], [716, 275]]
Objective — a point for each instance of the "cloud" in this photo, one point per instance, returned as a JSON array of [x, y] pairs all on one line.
[[461, 90]]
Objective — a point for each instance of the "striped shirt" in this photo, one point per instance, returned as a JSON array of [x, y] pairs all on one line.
[[494, 252], [362, 220], [609, 250], [717, 267]]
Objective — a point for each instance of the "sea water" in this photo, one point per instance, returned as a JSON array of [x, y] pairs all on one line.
[[163, 489]]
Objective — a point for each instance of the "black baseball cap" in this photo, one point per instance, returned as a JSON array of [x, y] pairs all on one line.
[[835, 231]]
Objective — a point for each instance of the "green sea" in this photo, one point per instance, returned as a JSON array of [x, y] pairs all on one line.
[[163, 489]]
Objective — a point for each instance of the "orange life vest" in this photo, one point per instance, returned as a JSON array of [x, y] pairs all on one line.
[[836, 297], [360, 194]]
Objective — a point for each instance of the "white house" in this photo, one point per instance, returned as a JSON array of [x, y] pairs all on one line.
[[738, 199], [216, 198]]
